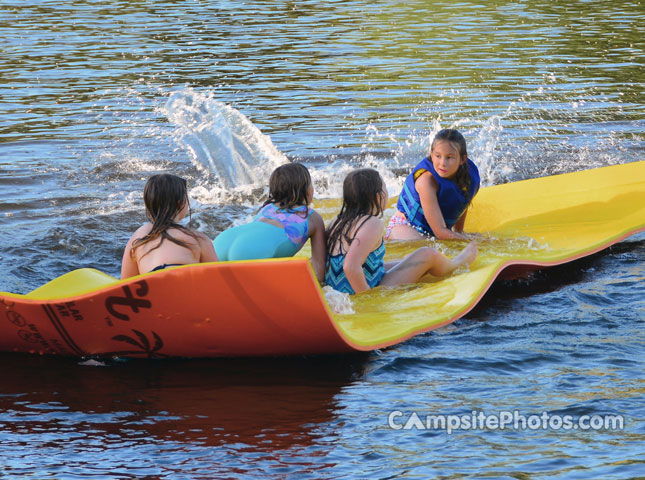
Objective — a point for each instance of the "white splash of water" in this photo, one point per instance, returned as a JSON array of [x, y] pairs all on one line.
[[92, 363], [222, 140], [328, 179], [340, 303], [483, 150]]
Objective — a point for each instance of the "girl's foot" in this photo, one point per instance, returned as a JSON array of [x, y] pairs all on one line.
[[466, 256]]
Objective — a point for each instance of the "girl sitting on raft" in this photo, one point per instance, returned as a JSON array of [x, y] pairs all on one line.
[[164, 243], [437, 193], [282, 226], [356, 247]]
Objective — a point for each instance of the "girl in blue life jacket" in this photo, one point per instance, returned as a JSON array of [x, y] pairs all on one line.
[[282, 225], [355, 242], [437, 192]]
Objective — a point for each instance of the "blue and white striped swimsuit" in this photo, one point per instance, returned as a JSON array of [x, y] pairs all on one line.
[[374, 269]]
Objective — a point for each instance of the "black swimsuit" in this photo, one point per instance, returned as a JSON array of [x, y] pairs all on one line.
[[166, 265]]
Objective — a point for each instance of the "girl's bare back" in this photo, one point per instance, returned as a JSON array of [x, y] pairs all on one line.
[[165, 252]]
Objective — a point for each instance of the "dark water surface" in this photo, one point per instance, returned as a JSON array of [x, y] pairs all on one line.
[[96, 96], [569, 343]]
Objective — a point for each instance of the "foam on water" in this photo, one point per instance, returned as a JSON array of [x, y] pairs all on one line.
[[340, 303]]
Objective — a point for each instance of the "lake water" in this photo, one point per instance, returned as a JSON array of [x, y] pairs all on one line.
[[96, 96]]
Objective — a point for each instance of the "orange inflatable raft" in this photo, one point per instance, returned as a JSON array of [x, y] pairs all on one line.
[[276, 307]]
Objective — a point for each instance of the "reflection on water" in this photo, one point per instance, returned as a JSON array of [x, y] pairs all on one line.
[[206, 403]]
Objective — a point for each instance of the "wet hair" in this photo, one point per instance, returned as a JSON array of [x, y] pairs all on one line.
[[164, 196], [362, 192], [288, 186], [457, 140]]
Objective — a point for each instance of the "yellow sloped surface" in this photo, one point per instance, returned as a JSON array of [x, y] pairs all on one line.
[[572, 211], [543, 221], [72, 284]]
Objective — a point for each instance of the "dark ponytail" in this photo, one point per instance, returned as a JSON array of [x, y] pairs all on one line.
[[288, 186], [362, 191]]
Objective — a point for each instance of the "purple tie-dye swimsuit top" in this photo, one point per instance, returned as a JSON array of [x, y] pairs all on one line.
[[295, 221]]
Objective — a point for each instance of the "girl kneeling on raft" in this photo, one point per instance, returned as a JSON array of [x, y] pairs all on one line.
[[282, 226], [164, 243], [356, 247], [437, 193]]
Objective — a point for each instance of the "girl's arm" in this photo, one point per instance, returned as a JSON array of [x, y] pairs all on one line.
[[459, 226], [427, 189], [129, 266], [206, 249], [318, 245], [368, 237]]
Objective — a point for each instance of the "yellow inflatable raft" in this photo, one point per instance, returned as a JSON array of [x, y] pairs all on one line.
[[276, 307]]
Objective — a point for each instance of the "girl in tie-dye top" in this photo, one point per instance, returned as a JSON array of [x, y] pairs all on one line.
[[355, 261], [282, 226]]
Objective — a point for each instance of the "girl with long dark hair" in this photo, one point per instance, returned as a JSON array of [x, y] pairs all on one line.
[[436, 195], [163, 242], [356, 249]]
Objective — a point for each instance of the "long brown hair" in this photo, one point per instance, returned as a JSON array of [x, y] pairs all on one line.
[[362, 191], [288, 186], [457, 140], [164, 196]]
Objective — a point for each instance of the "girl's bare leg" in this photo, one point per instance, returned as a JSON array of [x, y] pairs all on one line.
[[404, 232], [427, 260], [465, 257]]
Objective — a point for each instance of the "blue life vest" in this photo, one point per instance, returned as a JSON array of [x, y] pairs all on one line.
[[451, 198]]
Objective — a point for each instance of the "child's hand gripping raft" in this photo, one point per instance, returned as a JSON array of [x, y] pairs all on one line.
[[162, 242], [282, 226], [437, 192], [356, 248]]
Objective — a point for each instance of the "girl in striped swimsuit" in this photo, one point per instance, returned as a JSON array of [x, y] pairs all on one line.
[[355, 242]]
